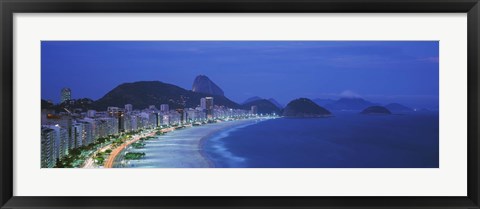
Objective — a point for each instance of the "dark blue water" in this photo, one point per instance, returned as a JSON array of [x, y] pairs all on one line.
[[348, 140]]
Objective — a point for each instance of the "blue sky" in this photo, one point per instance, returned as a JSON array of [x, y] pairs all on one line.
[[380, 71]]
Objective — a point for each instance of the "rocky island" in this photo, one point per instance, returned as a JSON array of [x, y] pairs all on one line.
[[376, 110], [398, 108], [305, 108]]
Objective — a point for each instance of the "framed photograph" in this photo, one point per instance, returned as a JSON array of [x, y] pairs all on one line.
[[239, 104]]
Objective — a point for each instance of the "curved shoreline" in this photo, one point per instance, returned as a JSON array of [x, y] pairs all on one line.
[[202, 152], [184, 148], [202, 141]]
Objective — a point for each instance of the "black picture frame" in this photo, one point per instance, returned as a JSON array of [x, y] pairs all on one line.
[[9, 7]]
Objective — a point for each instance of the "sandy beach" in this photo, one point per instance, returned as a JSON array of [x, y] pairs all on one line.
[[180, 148]]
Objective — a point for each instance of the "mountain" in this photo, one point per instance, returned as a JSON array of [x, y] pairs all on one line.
[[376, 110], [73, 105], [203, 84], [304, 107], [272, 100], [398, 108], [323, 102], [251, 99], [263, 107], [144, 93], [355, 104]]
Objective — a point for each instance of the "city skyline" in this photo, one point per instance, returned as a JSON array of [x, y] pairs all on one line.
[[384, 72], [67, 135], [178, 104]]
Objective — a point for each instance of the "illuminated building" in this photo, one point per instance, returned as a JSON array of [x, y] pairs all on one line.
[[65, 95], [117, 113], [152, 107], [128, 108], [164, 108], [77, 135], [91, 113], [209, 106], [203, 103], [47, 159], [253, 110]]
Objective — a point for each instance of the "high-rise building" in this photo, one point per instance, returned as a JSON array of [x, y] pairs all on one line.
[[47, 146], [77, 135], [203, 103], [89, 127], [182, 115], [164, 108], [101, 127], [89, 131], [112, 110], [61, 141], [117, 113], [141, 122], [157, 119], [65, 95], [152, 107], [128, 108], [174, 117], [209, 106], [164, 118], [148, 120], [113, 126], [254, 110], [91, 113], [127, 123], [133, 122]]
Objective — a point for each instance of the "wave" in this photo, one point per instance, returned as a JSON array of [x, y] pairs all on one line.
[[216, 151]]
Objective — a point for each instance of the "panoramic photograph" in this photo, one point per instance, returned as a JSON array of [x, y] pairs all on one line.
[[239, 104]]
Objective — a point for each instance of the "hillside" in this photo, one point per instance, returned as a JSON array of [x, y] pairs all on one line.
[[304, 107], [264, 106], [144, 93]]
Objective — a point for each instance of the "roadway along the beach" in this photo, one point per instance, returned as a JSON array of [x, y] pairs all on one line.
[[116, 151], [90, 162]]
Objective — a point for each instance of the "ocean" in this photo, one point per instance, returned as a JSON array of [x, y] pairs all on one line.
[[347, 140]]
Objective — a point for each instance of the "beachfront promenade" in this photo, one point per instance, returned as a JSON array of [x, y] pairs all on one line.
[[116, 151], [90, 162]]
